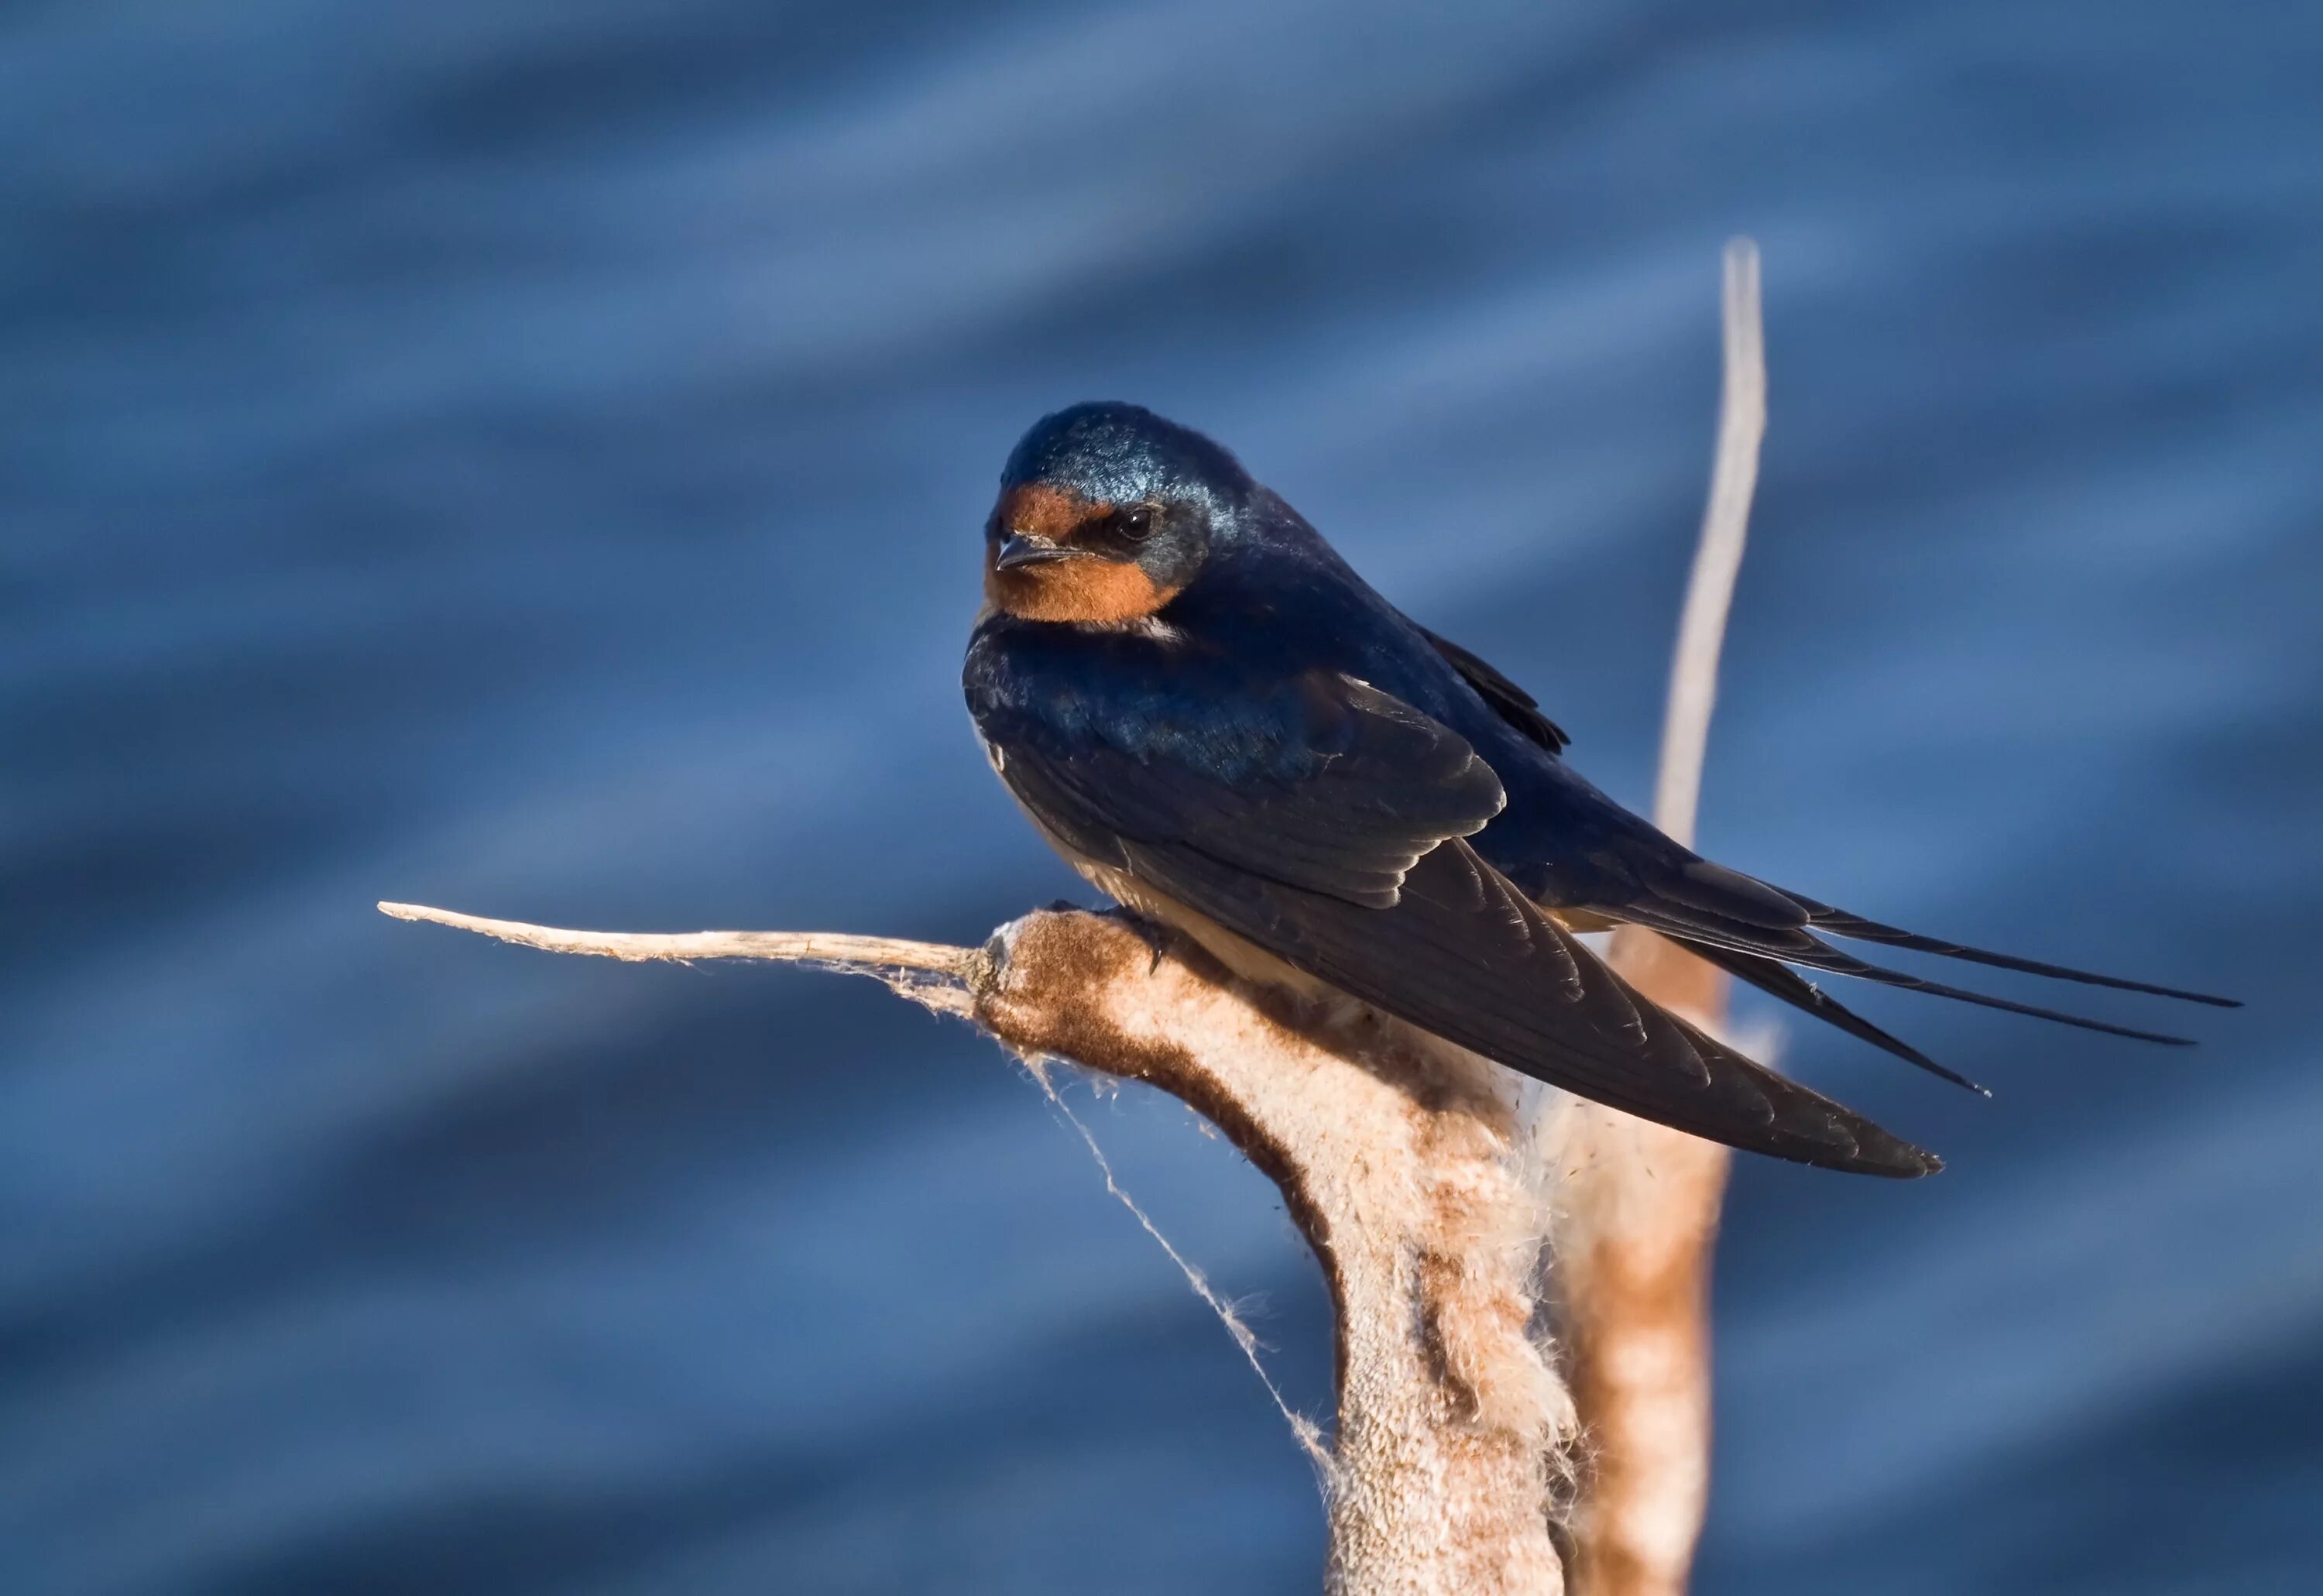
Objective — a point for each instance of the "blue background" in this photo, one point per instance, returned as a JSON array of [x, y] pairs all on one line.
[[529, 456]]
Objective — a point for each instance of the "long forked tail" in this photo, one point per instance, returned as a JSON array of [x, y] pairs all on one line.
[[1756, 958], [1756, 932], [1705, 911], [1838, 923]]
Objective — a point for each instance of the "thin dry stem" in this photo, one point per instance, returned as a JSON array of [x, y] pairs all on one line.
[[1718, 558], [835, 949], [929, 973]]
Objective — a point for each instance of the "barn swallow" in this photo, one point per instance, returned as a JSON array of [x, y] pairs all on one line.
[[1221, 726]]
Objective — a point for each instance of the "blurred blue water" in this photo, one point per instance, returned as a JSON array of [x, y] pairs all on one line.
[[528, 457]]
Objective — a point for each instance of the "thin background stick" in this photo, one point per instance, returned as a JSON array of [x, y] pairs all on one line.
[[1718, 558], [1636, 1237]]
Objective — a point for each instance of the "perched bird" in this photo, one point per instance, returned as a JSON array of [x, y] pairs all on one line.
[[1221, 726]]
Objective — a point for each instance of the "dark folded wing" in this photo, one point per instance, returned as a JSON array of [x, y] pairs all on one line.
[[1512, 702], [1329, 785], [1345, 858]]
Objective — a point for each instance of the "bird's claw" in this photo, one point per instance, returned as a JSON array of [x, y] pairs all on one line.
[[1155, 936]]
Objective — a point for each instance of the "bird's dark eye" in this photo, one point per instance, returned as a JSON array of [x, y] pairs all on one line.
[[1137, 522]]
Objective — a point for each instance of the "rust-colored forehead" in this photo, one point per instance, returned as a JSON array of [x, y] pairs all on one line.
[[1046, 510]]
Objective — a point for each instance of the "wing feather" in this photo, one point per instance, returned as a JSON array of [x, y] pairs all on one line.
[[1341, 848]]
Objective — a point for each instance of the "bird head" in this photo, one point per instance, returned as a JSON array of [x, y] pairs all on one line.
[[1107, 512]]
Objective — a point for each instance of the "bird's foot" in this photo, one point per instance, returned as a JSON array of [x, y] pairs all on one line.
[[1151, 933]]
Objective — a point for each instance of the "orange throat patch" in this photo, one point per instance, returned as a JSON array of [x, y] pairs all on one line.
[[1088, 590]]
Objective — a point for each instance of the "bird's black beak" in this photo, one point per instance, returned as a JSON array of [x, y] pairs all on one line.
[[1023, 548]]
